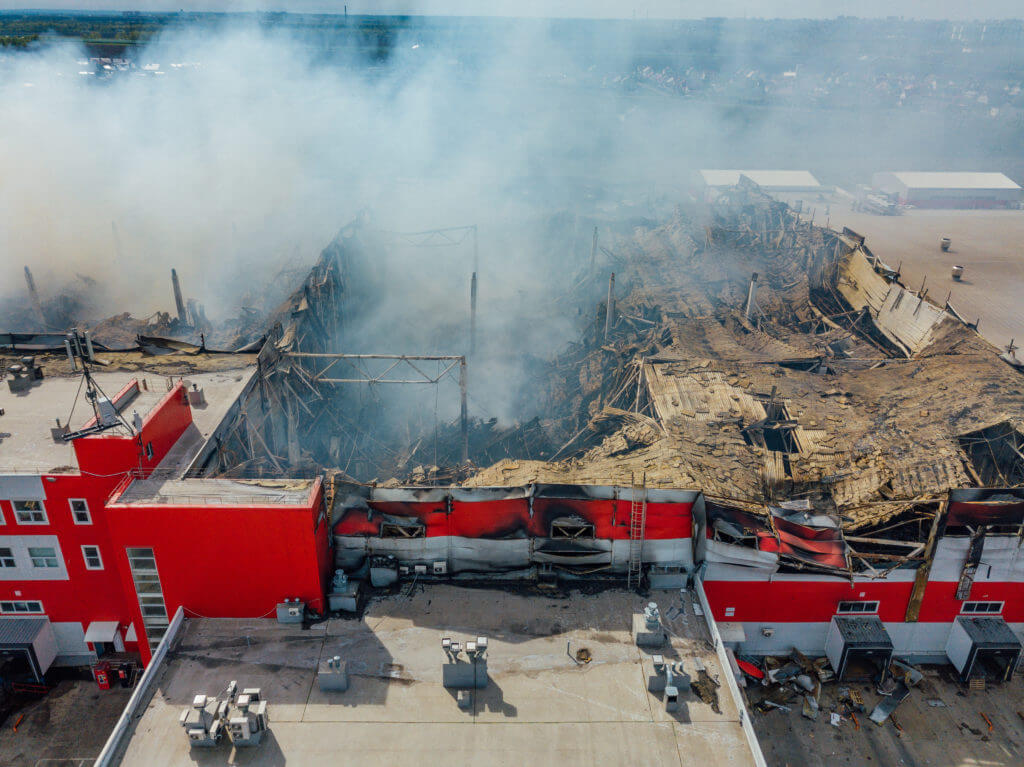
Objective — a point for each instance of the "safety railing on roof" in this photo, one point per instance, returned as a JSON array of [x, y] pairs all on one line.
[[40, 471], [217, 499], [148, 486]]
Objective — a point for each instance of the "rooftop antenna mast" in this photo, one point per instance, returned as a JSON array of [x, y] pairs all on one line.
[[106, 414]]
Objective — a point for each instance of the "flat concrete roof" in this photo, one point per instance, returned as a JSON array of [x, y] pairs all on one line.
[[201, 491], [27, 447], [953, 180], [769, 179], [540, 707]]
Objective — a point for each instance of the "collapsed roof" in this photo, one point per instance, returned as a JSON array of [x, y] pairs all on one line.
[[838, 389]]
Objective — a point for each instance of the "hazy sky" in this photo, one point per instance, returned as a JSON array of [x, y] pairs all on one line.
[[931, 9]]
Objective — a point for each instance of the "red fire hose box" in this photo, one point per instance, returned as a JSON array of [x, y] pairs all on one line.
[[101, 671]]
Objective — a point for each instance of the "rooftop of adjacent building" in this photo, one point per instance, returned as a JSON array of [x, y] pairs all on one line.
[[953, 180], [396, 710], [27, 444], [765, 178], [199, 491]]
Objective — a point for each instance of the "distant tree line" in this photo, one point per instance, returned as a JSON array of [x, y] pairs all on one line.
[[17, 41]]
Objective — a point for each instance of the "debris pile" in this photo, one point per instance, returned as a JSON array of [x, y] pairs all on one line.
[[773, 363], [782, 683]]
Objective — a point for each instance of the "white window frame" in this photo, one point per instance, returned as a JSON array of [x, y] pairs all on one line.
[[870, 607], [149, 592], [74, 513], [41, 510], [33, 557], [964, 608], [98, 555], [12, 558], [26, 611]]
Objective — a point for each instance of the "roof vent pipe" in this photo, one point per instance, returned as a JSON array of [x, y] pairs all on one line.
[[71, 356], [88, 347], [751, 295]]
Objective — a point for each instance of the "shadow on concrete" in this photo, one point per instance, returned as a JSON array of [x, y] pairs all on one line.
[[492, 698], [268, 753]]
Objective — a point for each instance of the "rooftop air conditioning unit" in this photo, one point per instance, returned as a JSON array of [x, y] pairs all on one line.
[[440, 568]]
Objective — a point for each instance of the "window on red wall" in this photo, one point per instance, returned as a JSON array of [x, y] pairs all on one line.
[[43, 557], [857, 608], [80, 511], [981, 608], [21, 607], [93, 560], [30, 512]]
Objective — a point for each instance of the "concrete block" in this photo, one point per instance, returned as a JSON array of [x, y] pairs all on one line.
[[644, 636], [346, 598], [657, 681], [290, 611], [462, 675], [672, 702], [333, 675], [480, 673]]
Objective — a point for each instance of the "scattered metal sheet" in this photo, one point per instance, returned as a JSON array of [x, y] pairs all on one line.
[[890, 703]]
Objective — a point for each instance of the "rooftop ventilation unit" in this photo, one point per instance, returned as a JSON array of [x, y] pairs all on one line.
[[244, 717], [248, 720], [469, 673]]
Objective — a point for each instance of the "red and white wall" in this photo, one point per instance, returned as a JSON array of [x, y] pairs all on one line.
[[780, 611], [506, 529]]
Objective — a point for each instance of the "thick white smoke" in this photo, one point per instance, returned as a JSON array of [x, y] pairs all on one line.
[[256, 145]]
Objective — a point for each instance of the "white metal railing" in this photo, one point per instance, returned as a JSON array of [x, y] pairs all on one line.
[[39, 471], [111, 753], [730, 680], [134, 491], [213, 499]]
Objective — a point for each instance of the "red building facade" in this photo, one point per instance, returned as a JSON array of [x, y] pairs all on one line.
[[73, 550]]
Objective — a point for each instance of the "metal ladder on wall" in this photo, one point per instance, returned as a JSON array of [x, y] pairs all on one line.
[[637, 529]]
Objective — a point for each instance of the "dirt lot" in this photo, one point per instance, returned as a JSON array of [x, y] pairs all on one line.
[[67, 728], [941, 723], [989, 244]]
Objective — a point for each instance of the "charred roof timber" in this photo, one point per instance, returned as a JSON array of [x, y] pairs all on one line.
[[821, 381]]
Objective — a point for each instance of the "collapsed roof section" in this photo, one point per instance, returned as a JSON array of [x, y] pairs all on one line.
[[822, 380]]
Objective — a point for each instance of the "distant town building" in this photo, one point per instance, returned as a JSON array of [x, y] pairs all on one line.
[[769, 180], [949, 189]]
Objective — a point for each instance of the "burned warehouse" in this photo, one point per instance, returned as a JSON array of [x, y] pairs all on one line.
[[752, 402]]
